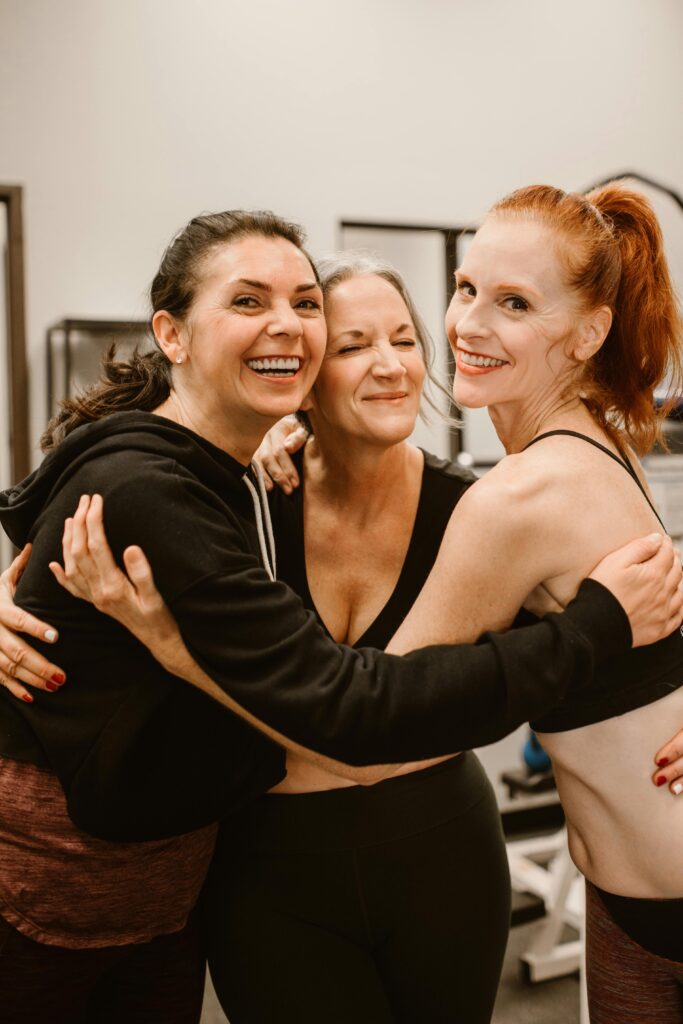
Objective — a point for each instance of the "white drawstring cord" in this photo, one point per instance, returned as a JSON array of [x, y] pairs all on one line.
[[262, 513]]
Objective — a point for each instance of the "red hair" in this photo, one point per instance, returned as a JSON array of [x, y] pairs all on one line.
[[613, 253]]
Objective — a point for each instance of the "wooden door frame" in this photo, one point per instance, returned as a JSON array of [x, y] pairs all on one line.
[[11, 197]]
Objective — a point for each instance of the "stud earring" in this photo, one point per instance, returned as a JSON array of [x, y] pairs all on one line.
[[179, 359]]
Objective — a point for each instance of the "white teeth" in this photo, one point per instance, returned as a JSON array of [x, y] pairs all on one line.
[[288, 365], [471, 360]]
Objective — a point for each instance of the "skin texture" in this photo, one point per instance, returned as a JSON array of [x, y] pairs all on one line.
[[257, 299], [511, 304]]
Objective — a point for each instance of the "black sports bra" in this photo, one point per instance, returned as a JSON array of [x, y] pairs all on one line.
[[639, 677]]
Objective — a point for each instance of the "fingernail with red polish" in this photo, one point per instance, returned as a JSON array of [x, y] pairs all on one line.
[[51, 687], [660, 780], [662, 762], [58, 678], [27, 697]]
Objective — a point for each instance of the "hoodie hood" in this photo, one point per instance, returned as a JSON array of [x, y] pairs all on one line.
[[21, 505]]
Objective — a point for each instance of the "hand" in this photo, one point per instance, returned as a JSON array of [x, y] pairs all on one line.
[[272, 455], [18, 661], [646, 578], [91, 574], [669, 761]]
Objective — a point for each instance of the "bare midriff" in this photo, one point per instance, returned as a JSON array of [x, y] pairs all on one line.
[[303, 777], [625, 834]]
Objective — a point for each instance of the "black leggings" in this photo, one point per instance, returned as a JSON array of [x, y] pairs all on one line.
[[157, 982], [365, 905]]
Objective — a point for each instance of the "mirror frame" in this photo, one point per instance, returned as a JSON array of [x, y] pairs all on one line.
[[18, 412]]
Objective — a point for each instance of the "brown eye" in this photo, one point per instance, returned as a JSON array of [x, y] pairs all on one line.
[[517, 303]]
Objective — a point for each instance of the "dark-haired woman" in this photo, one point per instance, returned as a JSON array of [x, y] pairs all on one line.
[[126, 751]]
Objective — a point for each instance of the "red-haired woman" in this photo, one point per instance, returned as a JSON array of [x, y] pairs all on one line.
[[563, 323]]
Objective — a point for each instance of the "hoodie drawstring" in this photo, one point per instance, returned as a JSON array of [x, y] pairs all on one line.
[[262, 513]]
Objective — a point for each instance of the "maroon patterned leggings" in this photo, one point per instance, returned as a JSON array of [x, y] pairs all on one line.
[[626, 983]]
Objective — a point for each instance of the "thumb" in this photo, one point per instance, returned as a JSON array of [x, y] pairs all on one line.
[[139, 569], [297, 439], [642, 549]]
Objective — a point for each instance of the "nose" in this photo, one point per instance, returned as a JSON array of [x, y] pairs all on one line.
[[387, 364], [466, 320], [284, 320]]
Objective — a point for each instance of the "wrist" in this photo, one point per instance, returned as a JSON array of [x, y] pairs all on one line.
[[596, 613]]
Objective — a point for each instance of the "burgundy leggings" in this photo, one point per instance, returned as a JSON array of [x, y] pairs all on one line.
[[626, 983], [157, 982]]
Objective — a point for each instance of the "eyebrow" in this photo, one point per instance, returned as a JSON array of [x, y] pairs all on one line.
[[351, 333], [504, 286], [267, 288]]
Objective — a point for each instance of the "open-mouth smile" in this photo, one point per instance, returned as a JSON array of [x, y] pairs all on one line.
[[276, 366], [469, 362]]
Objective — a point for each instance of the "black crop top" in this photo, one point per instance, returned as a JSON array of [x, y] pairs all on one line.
[[443, 484], [632, 680]]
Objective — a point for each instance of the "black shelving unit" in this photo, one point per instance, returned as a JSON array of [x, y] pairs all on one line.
[[74, 348]]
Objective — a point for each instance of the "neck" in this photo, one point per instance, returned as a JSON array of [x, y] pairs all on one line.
[[240, 440], [357, 476], [519, 423]]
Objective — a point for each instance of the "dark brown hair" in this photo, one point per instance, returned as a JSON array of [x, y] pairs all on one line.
[[614, 256], [144, 381]]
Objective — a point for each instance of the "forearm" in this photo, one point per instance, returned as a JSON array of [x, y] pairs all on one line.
[[366, 708], [185, 667]]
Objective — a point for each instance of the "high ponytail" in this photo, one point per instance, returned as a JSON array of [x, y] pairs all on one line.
[[614, 256], [145, 381]]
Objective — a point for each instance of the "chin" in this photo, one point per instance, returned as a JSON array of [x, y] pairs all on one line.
[[469, 397]]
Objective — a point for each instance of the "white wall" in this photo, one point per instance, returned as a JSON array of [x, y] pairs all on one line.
[[122, 118]]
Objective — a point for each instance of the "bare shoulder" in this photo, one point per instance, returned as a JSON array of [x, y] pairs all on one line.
[[524, 491]]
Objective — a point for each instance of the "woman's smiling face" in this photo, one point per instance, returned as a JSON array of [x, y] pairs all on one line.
[[511, 318], [255, 333], [370, 383]]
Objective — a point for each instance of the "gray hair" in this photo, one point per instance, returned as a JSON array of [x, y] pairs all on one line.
[[342, 266]]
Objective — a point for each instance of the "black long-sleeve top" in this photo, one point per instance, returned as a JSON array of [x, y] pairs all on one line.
[[141, 754]]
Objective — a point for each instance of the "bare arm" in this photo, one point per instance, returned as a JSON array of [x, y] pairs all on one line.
[[509, 535]]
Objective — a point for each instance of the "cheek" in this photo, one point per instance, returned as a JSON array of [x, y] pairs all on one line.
[[417, 372], [317, 340], [450, 323]]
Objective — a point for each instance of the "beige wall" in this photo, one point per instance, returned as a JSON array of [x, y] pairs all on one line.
[[122, 118]]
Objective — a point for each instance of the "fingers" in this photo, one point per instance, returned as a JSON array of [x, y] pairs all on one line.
[[16, 569], [281, 470], [16, 688], [19, 621], [642, 549], [670, 773], [20, 663], [96, 539]]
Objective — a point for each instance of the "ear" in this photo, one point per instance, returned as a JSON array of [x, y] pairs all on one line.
[[594, 329], [168, 333]]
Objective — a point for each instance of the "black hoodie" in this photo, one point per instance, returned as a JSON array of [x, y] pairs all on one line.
[[141, 754]]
